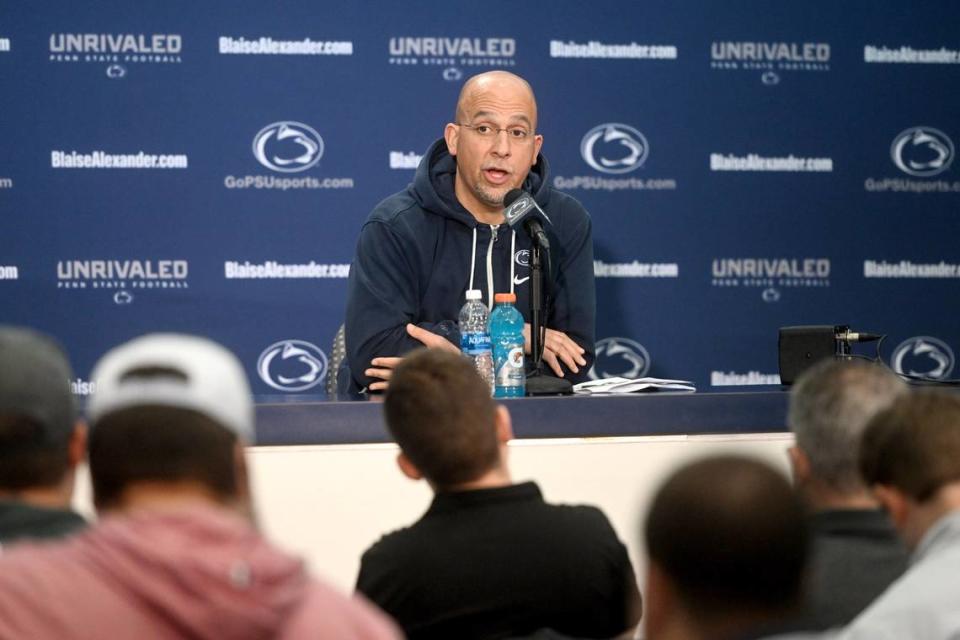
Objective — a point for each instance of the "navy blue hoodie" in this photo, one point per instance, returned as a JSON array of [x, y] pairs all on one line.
[[414, 257]]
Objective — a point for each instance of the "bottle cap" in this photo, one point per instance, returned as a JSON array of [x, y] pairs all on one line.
[[505, 297], [474, 294]]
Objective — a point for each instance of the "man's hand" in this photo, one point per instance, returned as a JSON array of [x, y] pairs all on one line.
[[383, 367], [557, 348], [430, 339]]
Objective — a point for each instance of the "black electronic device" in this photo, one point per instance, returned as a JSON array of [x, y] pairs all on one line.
[[803, 346]]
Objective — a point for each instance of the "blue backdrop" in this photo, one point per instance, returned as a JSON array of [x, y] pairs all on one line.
[[206, 167]]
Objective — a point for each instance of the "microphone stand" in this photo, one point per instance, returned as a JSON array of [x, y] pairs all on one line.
[[538, 382]]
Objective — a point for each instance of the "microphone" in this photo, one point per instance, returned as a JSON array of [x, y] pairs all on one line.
[[844, 334], [522, 210]]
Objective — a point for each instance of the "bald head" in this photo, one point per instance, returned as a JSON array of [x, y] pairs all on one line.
[[494, 140], [730, 534], [494, 83]]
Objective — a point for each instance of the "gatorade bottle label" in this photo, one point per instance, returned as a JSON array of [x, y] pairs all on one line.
[[474, 344], [511, 373]]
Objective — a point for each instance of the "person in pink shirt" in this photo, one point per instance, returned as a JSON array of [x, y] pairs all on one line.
[[176, 553]]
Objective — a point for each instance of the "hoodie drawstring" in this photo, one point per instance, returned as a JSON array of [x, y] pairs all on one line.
[[473, 256], [513, 254], [493, 238]]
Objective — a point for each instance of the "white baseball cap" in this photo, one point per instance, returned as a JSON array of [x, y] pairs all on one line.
[[188, 372]]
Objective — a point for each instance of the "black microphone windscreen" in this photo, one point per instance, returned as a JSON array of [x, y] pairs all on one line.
[[512, 196]]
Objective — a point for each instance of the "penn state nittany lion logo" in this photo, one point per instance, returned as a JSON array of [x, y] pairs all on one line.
[[292, 365], [619, 357]]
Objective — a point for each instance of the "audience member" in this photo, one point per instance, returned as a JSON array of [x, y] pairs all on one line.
[[175, 554], [910, 455], [727, 547], [855, 552], [41, 439], [489, 558]]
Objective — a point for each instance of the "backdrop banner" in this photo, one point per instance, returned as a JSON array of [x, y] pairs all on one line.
[[206, 168]]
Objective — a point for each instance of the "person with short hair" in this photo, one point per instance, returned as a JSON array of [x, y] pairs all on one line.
[[176, 553], [489, 558], [727, 547], [41, 438], [420, 250], [856, 552], [910, 456]]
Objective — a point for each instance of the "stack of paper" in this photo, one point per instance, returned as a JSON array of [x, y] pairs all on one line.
[[632, 385]]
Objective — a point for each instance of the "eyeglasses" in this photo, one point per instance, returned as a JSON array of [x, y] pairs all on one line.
[[515, 133]]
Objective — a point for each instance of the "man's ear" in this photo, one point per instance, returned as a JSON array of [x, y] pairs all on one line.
[[77, 446], [451, 134], [799, 464], [895, 503], [407, 467], [537, 145], [244, 491], [503, 424], [660, 603]]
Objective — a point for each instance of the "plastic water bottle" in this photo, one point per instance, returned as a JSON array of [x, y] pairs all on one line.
[[475, 337], [506, 333]]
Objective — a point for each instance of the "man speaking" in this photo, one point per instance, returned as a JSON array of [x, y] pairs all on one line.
[[422, 248]]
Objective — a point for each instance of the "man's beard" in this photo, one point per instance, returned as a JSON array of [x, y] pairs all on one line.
[[489, 197]]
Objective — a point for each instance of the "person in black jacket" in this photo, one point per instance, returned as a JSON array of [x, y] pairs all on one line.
[[489, 558], [421, 249], [856, 551]]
